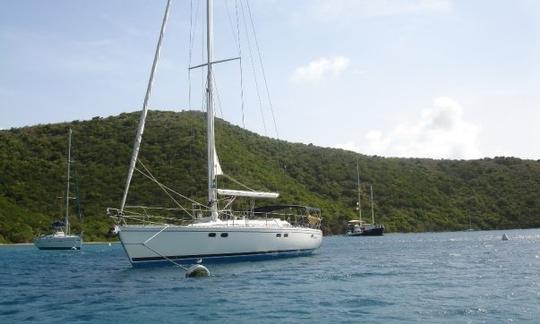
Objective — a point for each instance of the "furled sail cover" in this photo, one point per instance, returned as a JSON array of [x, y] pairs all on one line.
[[250, 194], [217, 166]]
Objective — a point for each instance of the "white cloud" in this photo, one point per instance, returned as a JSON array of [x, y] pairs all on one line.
[[330, 10], [320, 69], [441, 132]]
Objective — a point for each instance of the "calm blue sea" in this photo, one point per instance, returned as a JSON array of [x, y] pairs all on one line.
[[460, 277]]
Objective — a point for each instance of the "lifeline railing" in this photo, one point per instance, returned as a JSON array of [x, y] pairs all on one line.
[[145, 215]]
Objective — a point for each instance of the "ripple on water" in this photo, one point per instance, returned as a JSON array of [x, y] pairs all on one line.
[[9, 312], [432, 277]]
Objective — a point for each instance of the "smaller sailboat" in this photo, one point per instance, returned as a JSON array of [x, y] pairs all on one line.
[[61, 239], [358, 227]]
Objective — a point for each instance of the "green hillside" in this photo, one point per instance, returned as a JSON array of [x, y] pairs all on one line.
[[410, 194]]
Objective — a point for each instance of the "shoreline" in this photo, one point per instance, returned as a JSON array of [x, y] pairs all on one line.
[[326, 235], [84, 243]]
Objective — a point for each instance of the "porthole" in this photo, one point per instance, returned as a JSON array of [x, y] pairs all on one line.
[[224, 234], [211, 234], [278, 235], [286, 235]]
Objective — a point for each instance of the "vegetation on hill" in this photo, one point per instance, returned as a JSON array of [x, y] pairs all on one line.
[[410, 194]]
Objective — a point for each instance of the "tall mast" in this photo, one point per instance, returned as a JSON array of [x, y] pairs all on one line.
[[212, 183], [66, 220], [144, 112], [372, 211], [359, 193]]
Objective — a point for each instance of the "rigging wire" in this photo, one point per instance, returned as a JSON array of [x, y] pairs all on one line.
[[190, 50], [230, 20], [237, 182], [151, 177], [165, 188], [240, 62], [203, 79], [218, 97], [190, 53], [262, 68], [77, 194], [193, 22], [253, 68], [235, 28]]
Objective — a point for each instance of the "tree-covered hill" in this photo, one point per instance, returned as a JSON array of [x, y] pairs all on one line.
[[410, 194]]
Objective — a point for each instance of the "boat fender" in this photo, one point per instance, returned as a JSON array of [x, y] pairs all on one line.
[[197, 271]]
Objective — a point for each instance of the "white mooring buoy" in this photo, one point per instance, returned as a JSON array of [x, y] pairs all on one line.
[[505, 237], [196, 271]]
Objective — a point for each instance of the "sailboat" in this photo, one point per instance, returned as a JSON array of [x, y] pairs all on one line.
[[357, 227], [214, 232], [61, 239]]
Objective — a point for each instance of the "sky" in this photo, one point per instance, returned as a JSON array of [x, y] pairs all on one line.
[[437, 79]]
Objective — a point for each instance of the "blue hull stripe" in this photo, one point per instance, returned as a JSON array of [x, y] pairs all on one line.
[[220, 258], [58, 248]]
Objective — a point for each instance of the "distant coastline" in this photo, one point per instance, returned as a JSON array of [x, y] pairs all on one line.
[[411, 194], [85, 243]]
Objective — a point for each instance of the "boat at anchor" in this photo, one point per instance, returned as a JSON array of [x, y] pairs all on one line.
[[61, 239], [213, 231], [358, 227]]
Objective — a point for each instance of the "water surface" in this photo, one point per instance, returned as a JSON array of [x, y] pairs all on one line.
[[460, 277]]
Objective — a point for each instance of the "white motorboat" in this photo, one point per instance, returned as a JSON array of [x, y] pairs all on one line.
[[61, 239], [211, 232]]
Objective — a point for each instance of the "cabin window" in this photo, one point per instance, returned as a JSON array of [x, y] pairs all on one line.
[[278, 235], [286, 235], [211, 234], [224, 234]]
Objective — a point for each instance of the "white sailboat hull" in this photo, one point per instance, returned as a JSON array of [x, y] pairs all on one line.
[[58, 242], [155, 244]]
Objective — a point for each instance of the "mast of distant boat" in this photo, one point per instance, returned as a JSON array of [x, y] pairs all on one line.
[[359, 193], [212, 181], [66, 221], [372, 210]]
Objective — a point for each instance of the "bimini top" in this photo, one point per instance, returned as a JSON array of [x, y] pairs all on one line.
[[271, 208], [58, 224]]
